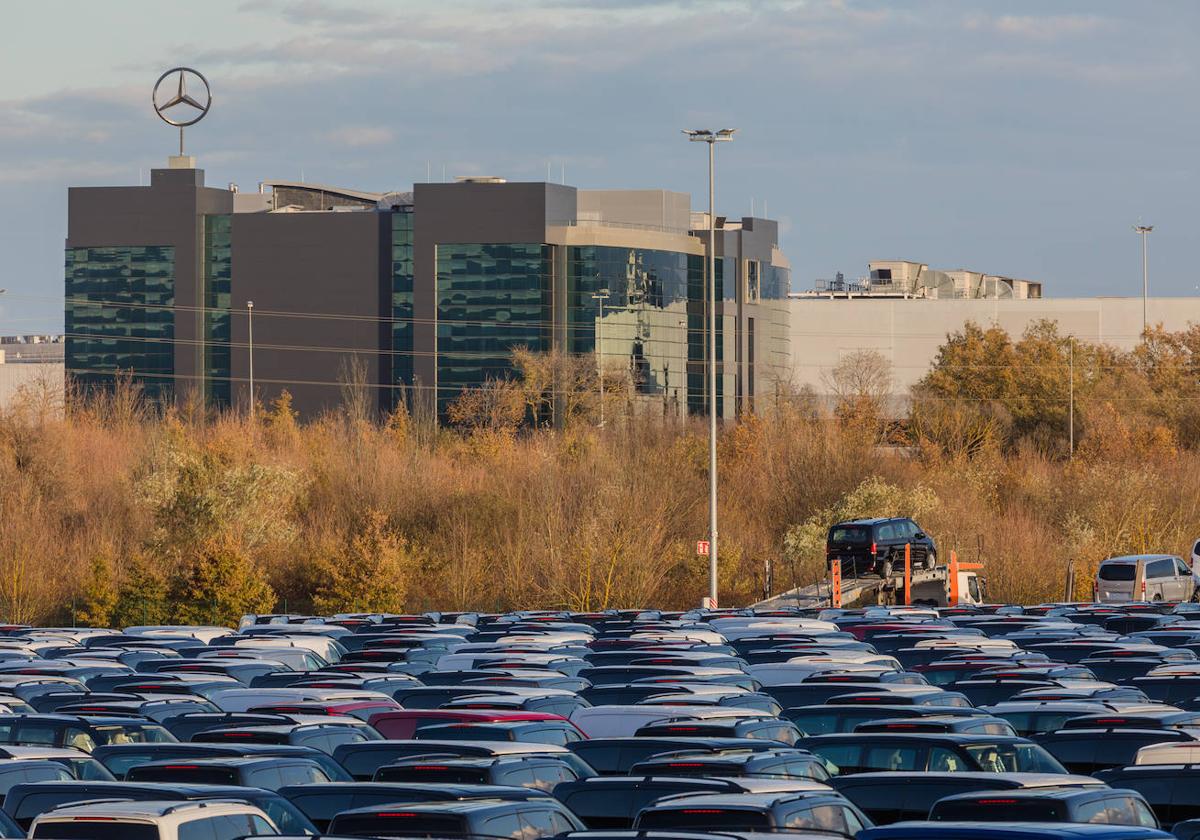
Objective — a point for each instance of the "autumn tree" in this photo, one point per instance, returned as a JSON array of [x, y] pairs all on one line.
[[97, 600], [369, 574], [219, 584], [861, 384], [141, 594]]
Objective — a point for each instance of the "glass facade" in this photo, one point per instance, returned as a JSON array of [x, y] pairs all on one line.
[[120, 315], [644, 329], [218, 333], [726, 268], [402, 300], [490, 299]]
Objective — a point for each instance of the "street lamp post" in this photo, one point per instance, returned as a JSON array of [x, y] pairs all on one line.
[[600, 297], [711, 137], [250, 331], [1143, 230]]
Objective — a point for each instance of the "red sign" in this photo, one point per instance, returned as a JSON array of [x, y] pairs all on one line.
[[702, 548]]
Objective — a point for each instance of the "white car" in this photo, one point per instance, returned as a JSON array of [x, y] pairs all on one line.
[[154, 821]]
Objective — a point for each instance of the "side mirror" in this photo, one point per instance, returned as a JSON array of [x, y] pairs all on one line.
[[920, 535]]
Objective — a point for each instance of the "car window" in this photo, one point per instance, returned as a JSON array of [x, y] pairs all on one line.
[[847, 756], [1117, 571], [267, 777], [1092, 812], [1181, 568], [942, 760], [201, 829], [260, 827], [893, 758], [850, 534], [1160, 569], [887, 531], [1143, 815], [505, 825]]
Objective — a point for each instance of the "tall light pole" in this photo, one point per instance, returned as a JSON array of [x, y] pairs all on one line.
[[711, 137], [250, 330], [1143, 230], [600, 296]]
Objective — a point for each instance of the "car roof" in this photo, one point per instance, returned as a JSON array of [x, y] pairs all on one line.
[[944, 737], [874, 521], [891, 777], [1133, 558], [143, 808], [1032, 793], [739, 800], [457, 806], [1006, 830]]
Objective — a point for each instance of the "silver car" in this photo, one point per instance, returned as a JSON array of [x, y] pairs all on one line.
[[1145, 577]]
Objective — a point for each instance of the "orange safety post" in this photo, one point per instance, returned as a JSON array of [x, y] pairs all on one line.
[[953, 572], [835, 581], [907, 573]]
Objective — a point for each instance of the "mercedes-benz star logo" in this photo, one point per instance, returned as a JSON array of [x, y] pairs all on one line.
[[180, 100]]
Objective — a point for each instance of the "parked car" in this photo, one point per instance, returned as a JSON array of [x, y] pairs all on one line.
[[321, 802], [862, 752], [1079, 805], [894, 797], [824, 811], [1145, 577], [877, 546], [530, 819], [154, 821]]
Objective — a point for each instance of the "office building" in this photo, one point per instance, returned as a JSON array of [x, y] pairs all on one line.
[[413, 295]]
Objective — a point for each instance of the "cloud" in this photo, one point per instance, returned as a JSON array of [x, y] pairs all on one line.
[[360, 136], [1039, 27]]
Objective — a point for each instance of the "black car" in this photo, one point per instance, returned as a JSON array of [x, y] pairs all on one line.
[[458, 818], [1172, 791], [826, 719], [894, 797], [540, 772], [120, 758], [323, 801], [1080, 805], [614, 801], [793, 811], [877, 545], [773, 764], [615, 756], [1090, 750], [876, 751]]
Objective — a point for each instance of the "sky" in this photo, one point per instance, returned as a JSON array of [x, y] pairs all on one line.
[[1016, 138]]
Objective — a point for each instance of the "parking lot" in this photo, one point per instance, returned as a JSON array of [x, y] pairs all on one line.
[[973, 721]]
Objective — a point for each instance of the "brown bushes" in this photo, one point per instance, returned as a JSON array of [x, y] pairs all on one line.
[[120, 514]]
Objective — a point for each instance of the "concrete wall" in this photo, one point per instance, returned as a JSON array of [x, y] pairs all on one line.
[[41, 382], [909, 332], [319, 263]]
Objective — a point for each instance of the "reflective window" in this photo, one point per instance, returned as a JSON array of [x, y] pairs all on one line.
[[119, 316], [491, 298], [402, 297], [218, 335]]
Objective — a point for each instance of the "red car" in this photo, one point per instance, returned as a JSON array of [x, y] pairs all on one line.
[[403, 724]]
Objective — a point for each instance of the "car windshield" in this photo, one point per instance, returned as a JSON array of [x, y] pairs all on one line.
[[1014, 758], [1117, 571], [131, 734], [850, 534]]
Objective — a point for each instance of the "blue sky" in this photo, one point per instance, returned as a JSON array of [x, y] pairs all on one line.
[[1020, 138]]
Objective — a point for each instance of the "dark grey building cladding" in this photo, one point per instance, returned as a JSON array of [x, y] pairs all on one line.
[[170, 212], [297, 265]]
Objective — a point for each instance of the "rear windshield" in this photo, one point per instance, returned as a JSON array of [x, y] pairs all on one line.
[[98, 831], [432, 773], [1117, 571], [181, 774], [707, 818], [998, 809], [398, 823], [850, 534]]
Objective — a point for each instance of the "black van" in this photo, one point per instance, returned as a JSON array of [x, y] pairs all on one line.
[[1172, 791], [825, 811], [894, 797], [323, 801], [1081, 805], [877, 545], [487, 817], [1090, 750]]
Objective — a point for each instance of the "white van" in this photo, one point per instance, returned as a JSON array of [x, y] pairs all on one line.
[[1145, 577], [154, 821]]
